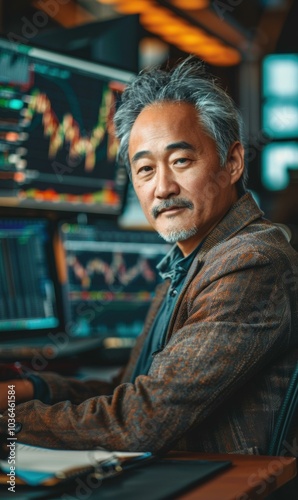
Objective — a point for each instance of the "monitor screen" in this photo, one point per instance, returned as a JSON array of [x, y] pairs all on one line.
[[28, 299], [278, 160], [111, 278], [57, 143], [279, 120], [280, 75]]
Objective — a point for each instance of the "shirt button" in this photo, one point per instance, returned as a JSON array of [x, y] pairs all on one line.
[[173, 292]]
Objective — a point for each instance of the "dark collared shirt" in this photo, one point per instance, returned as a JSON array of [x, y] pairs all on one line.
[[41, 390], [173, 267]]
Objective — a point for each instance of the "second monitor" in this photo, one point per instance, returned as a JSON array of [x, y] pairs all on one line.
[[110, 279]]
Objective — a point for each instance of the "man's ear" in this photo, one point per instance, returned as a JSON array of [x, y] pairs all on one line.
[[235, 161]]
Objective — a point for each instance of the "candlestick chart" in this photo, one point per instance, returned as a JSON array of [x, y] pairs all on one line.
[[111, 278], [57, 142], [116, 275]]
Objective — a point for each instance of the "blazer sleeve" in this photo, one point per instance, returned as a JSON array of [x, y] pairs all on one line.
[[68, 388], [231, 323]]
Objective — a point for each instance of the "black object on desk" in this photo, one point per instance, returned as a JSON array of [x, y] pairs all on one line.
[[158, 480], [161, 480]]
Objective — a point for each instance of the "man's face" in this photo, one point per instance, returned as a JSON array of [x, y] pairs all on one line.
[[177, 176]]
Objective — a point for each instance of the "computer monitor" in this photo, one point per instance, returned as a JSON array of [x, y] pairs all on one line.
[[279, 120], [278, 160], [110, 279], [57, 142], [28, 286]]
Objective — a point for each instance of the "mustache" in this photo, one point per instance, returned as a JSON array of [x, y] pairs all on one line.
[[172, 202]]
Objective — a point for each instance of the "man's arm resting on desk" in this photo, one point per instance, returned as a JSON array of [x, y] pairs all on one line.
[[58, 388], [62, 388], [223, 343]]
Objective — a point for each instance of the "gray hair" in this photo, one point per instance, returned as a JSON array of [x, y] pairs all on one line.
[[187, 82]]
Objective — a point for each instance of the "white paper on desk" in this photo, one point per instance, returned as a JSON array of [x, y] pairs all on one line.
[[38, 459]]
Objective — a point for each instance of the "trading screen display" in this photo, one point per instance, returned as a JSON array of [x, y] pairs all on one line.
[[279, 163], [27, 291], [111, 278], [57, 143]]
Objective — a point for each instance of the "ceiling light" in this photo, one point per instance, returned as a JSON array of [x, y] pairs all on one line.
[[190, 4], [108, 2], [176, 31], [155, 16], [226, 57], [132, 6], [192, 38], [172, 29]]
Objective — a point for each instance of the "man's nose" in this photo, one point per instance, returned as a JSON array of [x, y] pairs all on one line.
[[166, 183]]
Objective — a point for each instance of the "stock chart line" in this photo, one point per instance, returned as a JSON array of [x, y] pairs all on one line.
[[116, 271], [68, 131]]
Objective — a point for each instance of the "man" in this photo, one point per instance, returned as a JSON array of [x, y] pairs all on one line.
[[220, 341]]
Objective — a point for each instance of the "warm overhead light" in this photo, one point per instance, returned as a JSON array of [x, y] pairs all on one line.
[[190, 4], [109, 2], [203, 49], [199, 50], [210, 50], [179, 38], [132, 6], [191, 38], [187, 34], [154, 16], [195, 30], [171, 28], [209, 43], [225, 57]]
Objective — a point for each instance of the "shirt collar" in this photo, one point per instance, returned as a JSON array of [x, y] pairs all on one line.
[[174, 264]]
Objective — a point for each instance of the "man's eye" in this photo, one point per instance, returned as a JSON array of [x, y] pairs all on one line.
[[144, 169], [181, 161]]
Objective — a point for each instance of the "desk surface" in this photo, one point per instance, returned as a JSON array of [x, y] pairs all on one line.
[[250, 477]]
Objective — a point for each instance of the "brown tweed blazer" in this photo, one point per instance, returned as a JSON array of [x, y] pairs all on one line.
[[218, 383]]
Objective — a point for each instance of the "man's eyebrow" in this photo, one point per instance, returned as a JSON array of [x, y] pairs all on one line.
[[139, 154], [180, 145], [169, 147]]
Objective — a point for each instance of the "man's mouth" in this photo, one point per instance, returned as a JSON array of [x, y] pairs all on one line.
[[171, 209], [171, 206]]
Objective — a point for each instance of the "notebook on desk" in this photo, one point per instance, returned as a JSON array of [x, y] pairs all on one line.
[[74, 287], [35, 465]]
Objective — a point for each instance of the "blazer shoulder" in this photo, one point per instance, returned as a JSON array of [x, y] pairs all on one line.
[[256, 246], [263, 240]]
